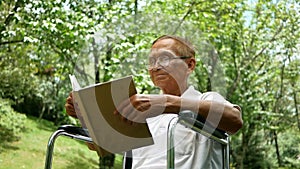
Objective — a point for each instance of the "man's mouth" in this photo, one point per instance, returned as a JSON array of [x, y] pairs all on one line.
[[160, 76]]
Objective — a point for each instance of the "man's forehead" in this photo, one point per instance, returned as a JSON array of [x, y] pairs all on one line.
[[161, 51], [164, 43]]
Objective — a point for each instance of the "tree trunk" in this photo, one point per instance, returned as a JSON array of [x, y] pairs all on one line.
[[277, 149], [96, 62], [296, 108], [107, 162]]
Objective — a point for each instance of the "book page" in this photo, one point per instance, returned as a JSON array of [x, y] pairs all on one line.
[[74, 82], [77, 101]]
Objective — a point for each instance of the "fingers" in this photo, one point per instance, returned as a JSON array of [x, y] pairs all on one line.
[[139, 107], [127, 110], [91, 146], [70, 110], [123, 104], [69, 106], [133, 109], [138, 114], [123, 109]]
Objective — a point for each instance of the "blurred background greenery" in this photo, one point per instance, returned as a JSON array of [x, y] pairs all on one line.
[[247, 50]]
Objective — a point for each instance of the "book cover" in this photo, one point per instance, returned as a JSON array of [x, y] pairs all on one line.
[[94, 106]]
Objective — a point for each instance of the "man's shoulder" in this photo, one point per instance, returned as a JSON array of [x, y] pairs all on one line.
[[211, 95]]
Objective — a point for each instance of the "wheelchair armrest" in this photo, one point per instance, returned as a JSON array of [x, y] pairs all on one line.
[[70, 131], [190, 118], [74, 130], [198, 124]]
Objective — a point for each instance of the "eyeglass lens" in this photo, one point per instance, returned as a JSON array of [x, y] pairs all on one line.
[[161, 60]]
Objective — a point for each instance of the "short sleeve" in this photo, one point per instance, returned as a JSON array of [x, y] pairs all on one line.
[[214, 96]]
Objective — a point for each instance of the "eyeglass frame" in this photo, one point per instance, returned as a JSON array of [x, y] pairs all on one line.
[[151, 66]]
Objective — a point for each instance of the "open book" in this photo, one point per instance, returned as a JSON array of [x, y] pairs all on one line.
[[94, 106]]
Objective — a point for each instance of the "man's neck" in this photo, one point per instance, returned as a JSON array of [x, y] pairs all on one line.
[[178, 91]]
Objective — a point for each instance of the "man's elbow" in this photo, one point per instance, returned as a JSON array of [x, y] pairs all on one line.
[[237, 122], [236, 127]]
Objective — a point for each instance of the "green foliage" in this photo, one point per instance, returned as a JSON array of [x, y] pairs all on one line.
[[11, 122], [255, 151], [290, 148]]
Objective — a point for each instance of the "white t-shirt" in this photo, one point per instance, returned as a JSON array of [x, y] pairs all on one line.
[[192, 150]]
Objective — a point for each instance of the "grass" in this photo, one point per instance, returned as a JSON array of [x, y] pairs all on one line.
[[30, 151]]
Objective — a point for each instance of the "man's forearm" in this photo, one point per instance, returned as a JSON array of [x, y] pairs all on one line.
[[221, 115]]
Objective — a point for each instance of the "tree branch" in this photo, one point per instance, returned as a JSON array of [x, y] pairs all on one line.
[[265, 47], [12, 41], [184, 17], [237, 79], [12, 13], [9, 17]]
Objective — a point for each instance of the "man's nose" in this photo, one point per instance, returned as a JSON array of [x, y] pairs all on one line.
[[156, 66]]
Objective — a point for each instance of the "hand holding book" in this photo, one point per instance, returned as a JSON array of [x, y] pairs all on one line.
[[139, 107], [70, 106]]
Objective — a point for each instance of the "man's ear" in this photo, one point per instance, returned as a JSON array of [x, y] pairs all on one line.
[[191, 65]]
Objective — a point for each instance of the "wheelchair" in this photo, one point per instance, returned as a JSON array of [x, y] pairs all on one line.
[[186, 118]]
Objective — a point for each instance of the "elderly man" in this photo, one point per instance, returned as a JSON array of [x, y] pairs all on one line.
[[171, 61]]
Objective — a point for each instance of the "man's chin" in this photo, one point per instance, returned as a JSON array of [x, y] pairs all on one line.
[[161, 83], [161, 80]]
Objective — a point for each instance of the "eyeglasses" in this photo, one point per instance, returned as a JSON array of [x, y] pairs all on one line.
[[163, 60]]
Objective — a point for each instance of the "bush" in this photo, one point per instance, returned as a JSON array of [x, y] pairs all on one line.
[[11, 122], [290, 148]]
